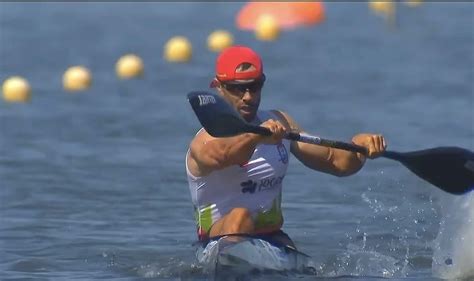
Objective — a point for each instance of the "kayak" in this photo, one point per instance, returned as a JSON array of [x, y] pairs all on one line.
[[244, 255]]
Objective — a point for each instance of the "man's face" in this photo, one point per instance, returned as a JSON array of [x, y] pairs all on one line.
[[245, 98]]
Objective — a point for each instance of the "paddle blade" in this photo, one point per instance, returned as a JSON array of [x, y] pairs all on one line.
[[449, 168], [218, 117]]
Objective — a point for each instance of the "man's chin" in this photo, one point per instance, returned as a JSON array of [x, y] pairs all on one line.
[[248, 116]]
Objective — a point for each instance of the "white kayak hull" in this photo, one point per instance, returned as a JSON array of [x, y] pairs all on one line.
[[237, 255]]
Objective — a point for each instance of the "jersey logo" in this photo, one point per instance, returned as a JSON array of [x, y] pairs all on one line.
[[283, 153], [265, 184], [248, 186]]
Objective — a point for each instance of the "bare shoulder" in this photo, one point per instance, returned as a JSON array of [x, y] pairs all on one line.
[[198, 142], [196, 152], [287, 120]]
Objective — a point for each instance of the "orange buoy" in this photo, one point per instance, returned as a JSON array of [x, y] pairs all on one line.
[[287, 14]]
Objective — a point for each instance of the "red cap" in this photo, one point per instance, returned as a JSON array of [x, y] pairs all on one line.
[[229, 59]]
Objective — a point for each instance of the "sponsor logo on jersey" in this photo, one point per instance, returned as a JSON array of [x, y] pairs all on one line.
[[251, 186]]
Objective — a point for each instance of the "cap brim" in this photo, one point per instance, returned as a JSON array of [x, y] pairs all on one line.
[[237, 82], [246, 81], [214, 83]]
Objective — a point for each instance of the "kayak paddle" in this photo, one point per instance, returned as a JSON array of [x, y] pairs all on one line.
[[449, 168]]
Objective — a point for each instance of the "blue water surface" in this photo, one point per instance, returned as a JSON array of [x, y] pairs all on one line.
[[93, 184]]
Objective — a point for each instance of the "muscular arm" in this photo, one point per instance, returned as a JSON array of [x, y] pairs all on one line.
[[208, 153], [324, 159]]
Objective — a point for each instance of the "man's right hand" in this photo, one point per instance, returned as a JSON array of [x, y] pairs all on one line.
[[277, 129]]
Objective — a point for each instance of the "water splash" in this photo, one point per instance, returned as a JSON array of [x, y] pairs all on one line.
[[453, 248], [363, 260], [391, 252]]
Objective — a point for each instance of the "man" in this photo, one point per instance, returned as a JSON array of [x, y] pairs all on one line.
[[236, 182]]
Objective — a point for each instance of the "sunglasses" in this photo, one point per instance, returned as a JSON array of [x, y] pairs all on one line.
[[252, 87]]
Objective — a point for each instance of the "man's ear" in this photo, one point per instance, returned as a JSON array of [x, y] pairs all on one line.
[[214, 83], [219, 89], [217, 84]]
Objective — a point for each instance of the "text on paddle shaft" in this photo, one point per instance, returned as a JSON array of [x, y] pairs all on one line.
[[206, 99]]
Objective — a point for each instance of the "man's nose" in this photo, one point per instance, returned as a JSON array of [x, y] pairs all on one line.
[[247, 95]]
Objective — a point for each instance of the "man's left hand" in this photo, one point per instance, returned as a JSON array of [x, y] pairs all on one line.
[[374, 143]]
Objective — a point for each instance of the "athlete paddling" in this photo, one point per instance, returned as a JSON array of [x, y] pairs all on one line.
[[236, 182]]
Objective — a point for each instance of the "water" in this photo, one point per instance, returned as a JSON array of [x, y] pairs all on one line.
[[93, 184]]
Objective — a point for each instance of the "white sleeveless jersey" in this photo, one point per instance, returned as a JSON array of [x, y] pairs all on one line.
[[255, 185]]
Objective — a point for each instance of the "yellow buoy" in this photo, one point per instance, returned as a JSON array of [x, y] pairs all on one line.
[[178, 49], [129, 66], [413, 3], [16, 89], [219, 40], [267, 28], [76, 78], [385, 8]]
